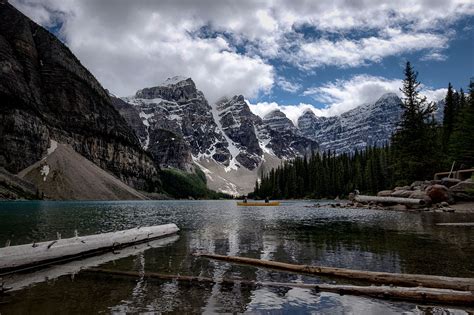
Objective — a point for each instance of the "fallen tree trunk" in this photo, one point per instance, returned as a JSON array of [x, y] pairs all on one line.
[[20, 280], [418, 294], [463, 284], [13, 258], [403, 201], [456, 224]]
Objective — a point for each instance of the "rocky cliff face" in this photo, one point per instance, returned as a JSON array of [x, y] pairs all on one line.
[[239, 125], [366, 125], [178, 124], [13, 187], [45, 93], [275, 134], [285, 140], [228, 133], [181, 130]]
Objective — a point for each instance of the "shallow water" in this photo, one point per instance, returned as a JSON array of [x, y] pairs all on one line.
[[350, 238]]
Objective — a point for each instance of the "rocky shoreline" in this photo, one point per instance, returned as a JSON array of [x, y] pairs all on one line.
[[446, 195]]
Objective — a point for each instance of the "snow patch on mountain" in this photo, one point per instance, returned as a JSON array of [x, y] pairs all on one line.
[[174, 80], [233, 150]]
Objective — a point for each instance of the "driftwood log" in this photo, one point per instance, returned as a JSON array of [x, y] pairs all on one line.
[[19, 280], [14, 258], [456, 224], [462, 284], [416, 294], [403, 201]]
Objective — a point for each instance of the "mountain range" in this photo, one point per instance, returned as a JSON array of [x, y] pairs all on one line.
[[50, 100], [231, 144]]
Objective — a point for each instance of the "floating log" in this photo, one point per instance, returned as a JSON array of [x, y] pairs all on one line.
[[20, 280], [399, 200], [259, 204], [21, 257], [417, 294], [441, 282], [456, 224]]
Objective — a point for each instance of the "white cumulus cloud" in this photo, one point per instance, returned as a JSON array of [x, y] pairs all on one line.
[[352, 53], [129, 45]]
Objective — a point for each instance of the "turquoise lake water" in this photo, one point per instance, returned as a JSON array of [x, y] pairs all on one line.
[[351, 238]]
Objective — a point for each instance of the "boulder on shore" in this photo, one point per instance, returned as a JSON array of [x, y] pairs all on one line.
[[401, 193], [418, 194], [438, 193], [420, 185], [384, 193], [402, 188]]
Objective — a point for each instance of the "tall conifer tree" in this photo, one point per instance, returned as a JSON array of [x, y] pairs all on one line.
[[414, 143], [448, 115]]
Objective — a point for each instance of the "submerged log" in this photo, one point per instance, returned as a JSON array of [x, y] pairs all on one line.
[[417, 294], [463, 284], [26, 256], [399, 200]]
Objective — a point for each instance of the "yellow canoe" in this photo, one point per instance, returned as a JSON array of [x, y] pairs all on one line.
[[258, 204]]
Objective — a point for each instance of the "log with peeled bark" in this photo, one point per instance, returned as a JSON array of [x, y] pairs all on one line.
[[441, 282], [20, 280], [414, 294], [403, 201], [14, 258]]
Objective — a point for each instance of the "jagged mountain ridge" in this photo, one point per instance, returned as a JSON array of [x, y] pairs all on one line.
[[365, 125], [181, 129], [237, 139], [227, 132]]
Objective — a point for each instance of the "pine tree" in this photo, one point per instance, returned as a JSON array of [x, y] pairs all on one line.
[[462, 140], [414, 143], [448, 115]]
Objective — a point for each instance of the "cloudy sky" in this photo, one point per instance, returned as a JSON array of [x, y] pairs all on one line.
[[329, 56]]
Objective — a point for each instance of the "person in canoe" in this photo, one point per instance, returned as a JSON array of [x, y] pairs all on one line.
[[245, 199], [267, 200]]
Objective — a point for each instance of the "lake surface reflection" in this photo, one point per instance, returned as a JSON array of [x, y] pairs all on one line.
[[350, 238]]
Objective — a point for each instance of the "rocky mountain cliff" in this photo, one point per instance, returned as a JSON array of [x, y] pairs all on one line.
[[365, 125], [181, 130], [46, 94]]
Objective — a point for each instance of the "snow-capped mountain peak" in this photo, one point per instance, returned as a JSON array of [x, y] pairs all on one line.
[[366, 125], [277, 120], [174, 80], [227, 141]]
